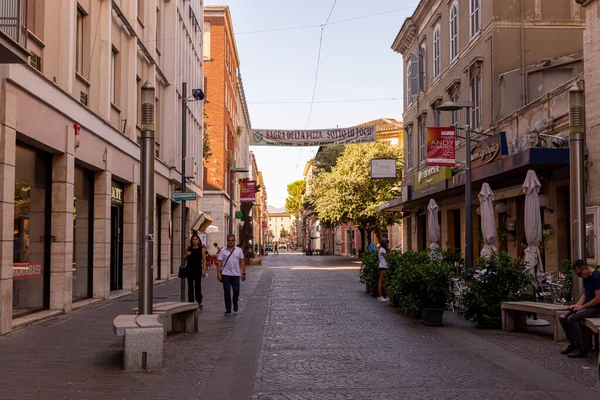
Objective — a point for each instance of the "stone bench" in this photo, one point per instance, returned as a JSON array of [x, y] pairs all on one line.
[[514, 316], [142, 341], [176, 316], [590, 335]]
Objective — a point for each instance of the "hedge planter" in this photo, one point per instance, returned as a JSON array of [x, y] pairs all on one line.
[[367, 288], [374, 291], [432, 316], [395, 301]]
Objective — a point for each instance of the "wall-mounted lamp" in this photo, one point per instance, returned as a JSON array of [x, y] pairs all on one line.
[[501, 208], [544, 203]]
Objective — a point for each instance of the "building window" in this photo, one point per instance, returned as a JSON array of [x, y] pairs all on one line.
[[158, 30], [140, 10], [476, 99], [31, 8], [436, 117], [422, 66], [436, 52], [475, 10], [114, 75], [79, 42], [408, 83], [423, 138], [206, 41], [455, 117], [453, 32], [409, 147]]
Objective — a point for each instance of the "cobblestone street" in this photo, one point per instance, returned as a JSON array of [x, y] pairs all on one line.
[[306, 330]]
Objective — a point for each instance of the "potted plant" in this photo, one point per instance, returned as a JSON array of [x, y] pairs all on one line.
[[369, 271], [394, 261], [435, 291], [495, 279]]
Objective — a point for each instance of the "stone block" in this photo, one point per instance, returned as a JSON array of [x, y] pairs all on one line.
[[7, 210], [63, 168], [6, 299], [62, 227], [61, 290], [62, 198], [8, 145], [143, 349], [102, 184], [6, 257], [7, 182]]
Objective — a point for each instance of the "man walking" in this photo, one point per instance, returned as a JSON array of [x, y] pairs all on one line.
[[588, 306], [230, 266]]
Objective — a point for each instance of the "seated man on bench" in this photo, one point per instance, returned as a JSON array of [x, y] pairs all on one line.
[[588, 306]]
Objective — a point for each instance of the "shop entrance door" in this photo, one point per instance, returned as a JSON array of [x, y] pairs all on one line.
[[116, 248]]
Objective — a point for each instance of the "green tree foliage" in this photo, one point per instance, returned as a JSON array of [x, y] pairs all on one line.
[[206, 153], [327, 156], [283, 233], [293, 203], [349, 193]]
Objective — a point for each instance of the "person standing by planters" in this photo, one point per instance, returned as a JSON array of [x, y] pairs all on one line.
[[382, 253], [195, 269], [230, 266]]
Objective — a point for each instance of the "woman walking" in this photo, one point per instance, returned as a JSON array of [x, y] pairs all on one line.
[[195, 269], [382, 253]]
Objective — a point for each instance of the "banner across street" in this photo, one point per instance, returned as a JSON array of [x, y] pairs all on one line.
[[318, 137]]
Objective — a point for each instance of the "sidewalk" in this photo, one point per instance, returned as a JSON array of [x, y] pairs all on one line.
[[306, 330]]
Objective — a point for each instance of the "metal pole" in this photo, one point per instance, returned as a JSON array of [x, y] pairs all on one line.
[[231, 175], [577, 185], [183, 185], [148, 195], [468, 197]]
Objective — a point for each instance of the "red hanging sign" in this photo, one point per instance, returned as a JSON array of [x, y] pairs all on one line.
[[441, 147], [247, 191]]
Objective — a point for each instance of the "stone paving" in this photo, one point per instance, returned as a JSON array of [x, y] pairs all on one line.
[[306, 330]]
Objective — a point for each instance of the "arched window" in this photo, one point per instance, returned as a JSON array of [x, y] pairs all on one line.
[[436, 52], [453, 32]]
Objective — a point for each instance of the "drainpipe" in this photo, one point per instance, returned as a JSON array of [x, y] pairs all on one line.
[[523, 100]]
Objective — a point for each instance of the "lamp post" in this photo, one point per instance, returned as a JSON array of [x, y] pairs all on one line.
[[232, 172], [452, 106], [148, 195], [577, 185]]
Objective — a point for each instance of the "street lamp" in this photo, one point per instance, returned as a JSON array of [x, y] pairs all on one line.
[[231, 179], [577, 185], [148, 195], [452, 106]]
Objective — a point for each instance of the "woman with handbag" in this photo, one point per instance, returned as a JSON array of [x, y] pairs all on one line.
[[195, 269]]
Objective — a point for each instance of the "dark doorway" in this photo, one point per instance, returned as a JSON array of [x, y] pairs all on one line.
[[116, 248], [158, 235], [422, 232]]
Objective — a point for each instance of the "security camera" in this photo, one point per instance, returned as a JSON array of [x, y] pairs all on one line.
[[198, 94]]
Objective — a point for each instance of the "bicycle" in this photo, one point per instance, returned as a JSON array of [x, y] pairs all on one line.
[[459, 286]]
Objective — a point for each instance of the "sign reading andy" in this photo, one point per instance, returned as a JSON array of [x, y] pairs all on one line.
[[319, 137], [441, 147]]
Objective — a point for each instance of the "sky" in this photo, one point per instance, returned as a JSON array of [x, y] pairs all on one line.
[[359, 75]]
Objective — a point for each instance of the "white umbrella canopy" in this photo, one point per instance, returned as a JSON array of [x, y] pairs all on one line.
[[488, 221], [433, 225], [212, 229], [533, 223]]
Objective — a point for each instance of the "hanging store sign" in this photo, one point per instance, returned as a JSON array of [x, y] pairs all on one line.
[[247, 191], [318, 137], [489, 150], [441, 150], [383, 168], [264, 225], [430, 175]]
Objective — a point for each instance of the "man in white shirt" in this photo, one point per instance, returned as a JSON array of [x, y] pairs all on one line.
[[230, 266]]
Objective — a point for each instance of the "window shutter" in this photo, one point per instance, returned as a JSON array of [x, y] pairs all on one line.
[[415, 75]]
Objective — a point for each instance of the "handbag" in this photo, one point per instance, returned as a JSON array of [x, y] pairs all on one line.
[[223, 267], [182, 273]]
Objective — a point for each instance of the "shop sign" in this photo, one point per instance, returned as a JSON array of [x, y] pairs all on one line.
[[489, 150], [431, 175], [27, 270], [383, 168], [247, 191], [264, 225], [441, 147], [116, 193]]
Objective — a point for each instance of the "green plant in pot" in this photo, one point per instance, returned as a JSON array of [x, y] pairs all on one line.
[[435, 291], [407, 281], [391, 283], [369, 271], [496, 279]]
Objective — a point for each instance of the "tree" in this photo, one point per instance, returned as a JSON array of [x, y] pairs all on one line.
[[206, 153], [283, 233], [349, 193], [327, 156], [293, 203]]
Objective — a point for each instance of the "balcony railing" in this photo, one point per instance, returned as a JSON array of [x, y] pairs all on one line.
[[13, 20]]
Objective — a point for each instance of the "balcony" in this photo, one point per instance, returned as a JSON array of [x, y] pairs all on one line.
[[13, 32]]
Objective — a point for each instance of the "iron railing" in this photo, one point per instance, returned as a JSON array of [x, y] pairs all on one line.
[[13, 20]]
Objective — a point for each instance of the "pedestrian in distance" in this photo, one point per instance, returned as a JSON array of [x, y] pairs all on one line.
[[195, 269], [230, 267], [217, 247], [588, 306], [276, 249], [383, 267]]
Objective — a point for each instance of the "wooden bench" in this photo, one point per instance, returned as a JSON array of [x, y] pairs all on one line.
[[176, 316], [142, 341], [514, 316]]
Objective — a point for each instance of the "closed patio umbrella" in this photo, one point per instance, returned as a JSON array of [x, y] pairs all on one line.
[[533, 223], [433, 225], [488, 221]]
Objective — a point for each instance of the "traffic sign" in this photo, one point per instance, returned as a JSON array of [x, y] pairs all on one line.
[[183, 196]]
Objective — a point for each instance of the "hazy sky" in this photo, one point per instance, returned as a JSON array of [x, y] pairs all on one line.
[[357, 63]]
